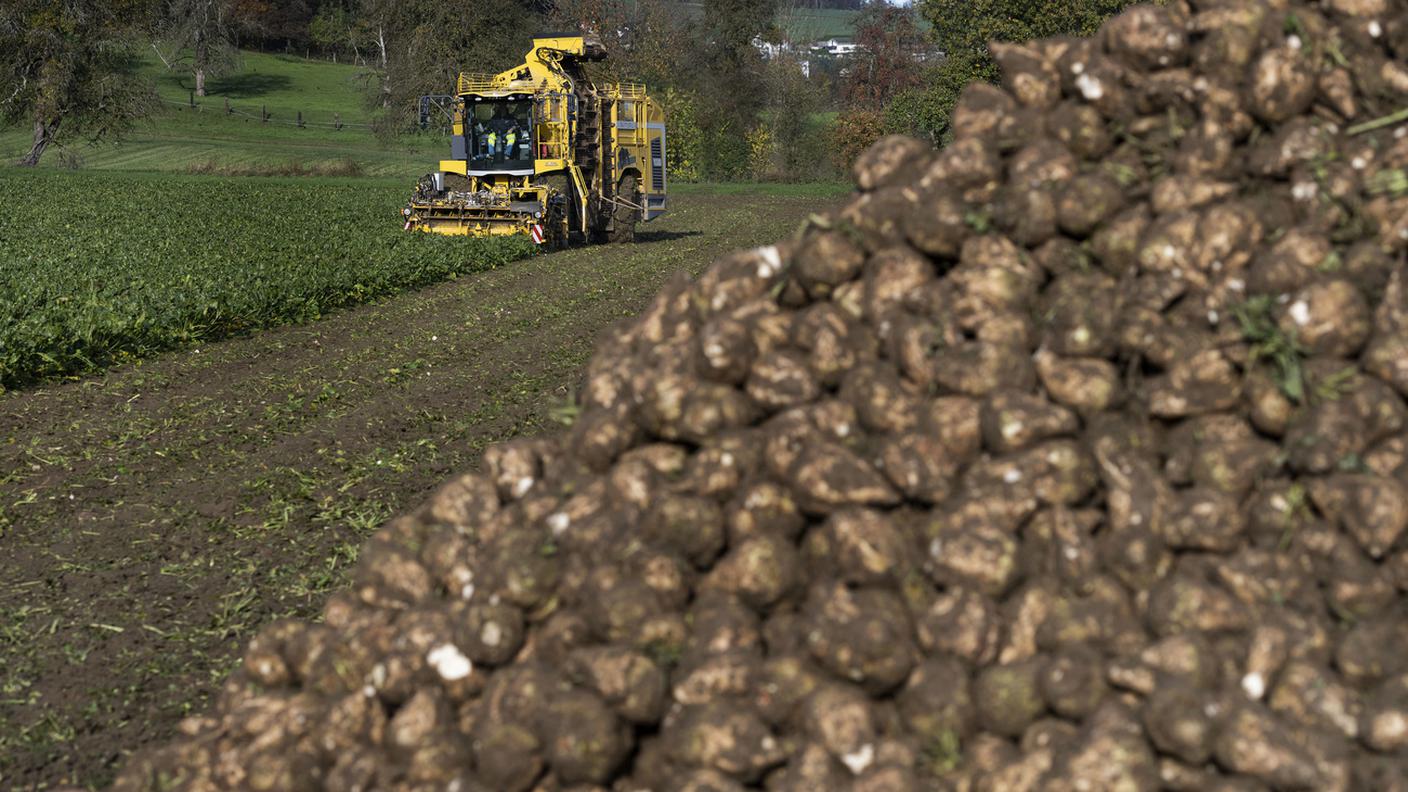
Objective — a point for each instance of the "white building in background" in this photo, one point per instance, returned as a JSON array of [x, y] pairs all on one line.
[[772, 50], [836, 47], [833, 47]]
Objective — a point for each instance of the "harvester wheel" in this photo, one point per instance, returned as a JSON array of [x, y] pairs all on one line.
[[624, 218], [555, 224]]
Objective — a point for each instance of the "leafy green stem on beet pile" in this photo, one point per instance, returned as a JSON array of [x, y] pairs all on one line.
[[1268, 342]]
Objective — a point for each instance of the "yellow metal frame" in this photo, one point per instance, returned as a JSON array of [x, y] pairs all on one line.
[[546, 78]]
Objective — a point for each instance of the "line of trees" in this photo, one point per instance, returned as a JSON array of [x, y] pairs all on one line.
[[68, 67]]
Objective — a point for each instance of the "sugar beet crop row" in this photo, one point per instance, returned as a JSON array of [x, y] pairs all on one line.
[[97, 269]]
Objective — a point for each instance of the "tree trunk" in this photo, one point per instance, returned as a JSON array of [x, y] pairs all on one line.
[[43, 136], [202, 56], [385, 76]]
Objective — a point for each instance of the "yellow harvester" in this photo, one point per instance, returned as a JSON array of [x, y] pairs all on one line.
[[539, 150]]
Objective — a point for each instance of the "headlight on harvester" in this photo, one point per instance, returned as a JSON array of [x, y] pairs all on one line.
[[406, 212]]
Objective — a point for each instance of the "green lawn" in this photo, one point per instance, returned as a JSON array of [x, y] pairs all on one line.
[[181, 138], [802, 25], [234, 139], [285, 84], [818, 24]]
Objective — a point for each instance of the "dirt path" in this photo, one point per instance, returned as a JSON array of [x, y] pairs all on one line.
[[153, 518]]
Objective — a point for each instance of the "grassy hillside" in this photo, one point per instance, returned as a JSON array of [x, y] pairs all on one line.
[[801, 25], [817, 24], [205, 137], [284, 83]]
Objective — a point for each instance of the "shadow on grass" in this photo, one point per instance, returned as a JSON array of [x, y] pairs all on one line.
[[664, 236], [247, 86]]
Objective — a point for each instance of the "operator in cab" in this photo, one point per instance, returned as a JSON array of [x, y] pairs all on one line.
[[499, 128]]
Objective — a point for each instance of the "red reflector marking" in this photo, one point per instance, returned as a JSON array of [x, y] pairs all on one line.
[[537, 234]]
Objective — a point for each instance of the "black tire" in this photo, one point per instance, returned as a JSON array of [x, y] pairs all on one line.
[[561, 216], [624, 218], [555, 224]]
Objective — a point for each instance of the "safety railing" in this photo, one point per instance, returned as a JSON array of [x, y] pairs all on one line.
[[475, 82], [630, 90]]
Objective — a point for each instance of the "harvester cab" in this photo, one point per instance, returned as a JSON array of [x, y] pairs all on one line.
[[539, 150]]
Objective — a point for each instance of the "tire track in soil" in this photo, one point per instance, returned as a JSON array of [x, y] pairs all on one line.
[[155, 517]]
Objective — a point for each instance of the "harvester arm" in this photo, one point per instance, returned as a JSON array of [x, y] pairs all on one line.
[[554, 60]]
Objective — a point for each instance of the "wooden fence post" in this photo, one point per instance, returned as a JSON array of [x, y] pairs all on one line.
[[193, 98], [337, 121], [263, 114], [300, 119]]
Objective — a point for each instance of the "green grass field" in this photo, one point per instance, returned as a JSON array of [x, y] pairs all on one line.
[[284, 84], [181, 138], [226, 132], [116, 266], [818, 24]]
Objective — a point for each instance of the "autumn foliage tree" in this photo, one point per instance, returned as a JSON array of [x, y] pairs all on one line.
[[729, 76], [887, 63], [336, 28], [888, 60]]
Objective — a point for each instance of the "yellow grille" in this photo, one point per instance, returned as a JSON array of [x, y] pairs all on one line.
[[474, 82], [470, 83]]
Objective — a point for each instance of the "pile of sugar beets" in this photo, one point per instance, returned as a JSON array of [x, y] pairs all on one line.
[[1072, 456]]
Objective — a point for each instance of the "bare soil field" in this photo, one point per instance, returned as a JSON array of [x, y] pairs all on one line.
[[154, 517]]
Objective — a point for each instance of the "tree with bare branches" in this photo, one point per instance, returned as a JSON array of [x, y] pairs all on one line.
[[421, 46], [200, 35]]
